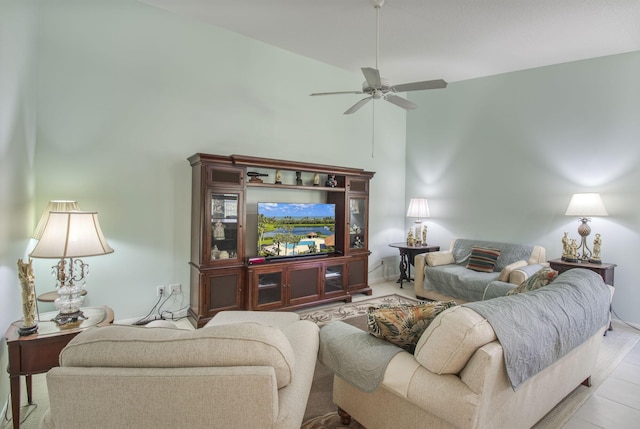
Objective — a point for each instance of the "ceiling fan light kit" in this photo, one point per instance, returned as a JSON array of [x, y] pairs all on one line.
[[376, 87]]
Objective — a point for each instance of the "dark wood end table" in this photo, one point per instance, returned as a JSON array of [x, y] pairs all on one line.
[[407, 255], [604, 270], [39, 352]]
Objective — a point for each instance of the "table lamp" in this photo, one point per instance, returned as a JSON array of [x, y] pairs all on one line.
[[419, 209], [583, 206], [68, 235]]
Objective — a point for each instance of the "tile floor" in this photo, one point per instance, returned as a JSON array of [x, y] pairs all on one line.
[[616, 403]]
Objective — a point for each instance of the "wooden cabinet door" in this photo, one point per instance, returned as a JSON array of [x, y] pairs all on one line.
[[303, 283], [358, 275]]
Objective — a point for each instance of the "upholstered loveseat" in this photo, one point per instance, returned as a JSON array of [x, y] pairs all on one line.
[[444, 275], [242, 370], [461, 373]]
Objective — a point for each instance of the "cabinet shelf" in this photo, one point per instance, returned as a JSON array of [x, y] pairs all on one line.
[[296, 187], [268, 286]]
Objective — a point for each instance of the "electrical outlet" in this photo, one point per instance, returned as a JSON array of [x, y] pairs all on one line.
[[160, 291], [175, 289]]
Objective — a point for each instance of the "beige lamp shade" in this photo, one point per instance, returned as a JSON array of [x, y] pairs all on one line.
[[53, 206], [584, 205], [418, 208], [71, 234]]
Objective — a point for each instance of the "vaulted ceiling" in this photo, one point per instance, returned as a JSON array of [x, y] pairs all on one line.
[[429, 39]]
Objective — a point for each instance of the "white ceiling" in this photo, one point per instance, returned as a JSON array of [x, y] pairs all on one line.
[[428, 39]]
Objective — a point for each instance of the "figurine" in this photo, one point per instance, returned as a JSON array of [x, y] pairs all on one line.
[[27, 283], [316, 179], [331, 181], [278, 178], [218, 231], [357, 244], [215, 252], [424, 235], [572, 251], [411, 241], [298, 178], [597, 243], [565, 246]]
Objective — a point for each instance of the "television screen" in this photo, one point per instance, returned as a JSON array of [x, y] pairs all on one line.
[[295, 229]]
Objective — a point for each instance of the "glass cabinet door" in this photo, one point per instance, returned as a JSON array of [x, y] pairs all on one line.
[[334, 278], [224, 226], [269, 288], [357, 223]]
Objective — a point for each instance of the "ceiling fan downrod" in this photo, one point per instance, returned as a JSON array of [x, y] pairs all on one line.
[[377, 4]]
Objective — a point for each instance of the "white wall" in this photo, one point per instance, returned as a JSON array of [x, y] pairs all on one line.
[[127, 92], [500, 157], [18, 30]]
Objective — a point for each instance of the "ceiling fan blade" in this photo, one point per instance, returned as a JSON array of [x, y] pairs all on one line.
[[419, 86], [358, 105], [372, 76], [399, 101], [338, 92]]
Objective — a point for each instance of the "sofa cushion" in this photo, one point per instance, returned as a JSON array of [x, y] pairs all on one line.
[[451, 339], [403, 324], [483, 259], [435, 259], [241, 344], [541, 278]]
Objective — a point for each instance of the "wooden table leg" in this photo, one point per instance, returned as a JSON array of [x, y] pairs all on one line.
[[29, 391], [15, 400]]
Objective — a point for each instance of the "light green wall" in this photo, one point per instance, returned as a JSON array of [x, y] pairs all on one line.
[[127, 92], [18, 65], [499, 158]]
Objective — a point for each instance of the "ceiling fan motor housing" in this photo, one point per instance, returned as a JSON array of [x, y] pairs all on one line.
[[384, 87]]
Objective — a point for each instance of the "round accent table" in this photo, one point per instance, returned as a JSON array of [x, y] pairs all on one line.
[[407, 254]]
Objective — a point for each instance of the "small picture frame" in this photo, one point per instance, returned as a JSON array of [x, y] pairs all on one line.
[[217, 208], [354, 207]]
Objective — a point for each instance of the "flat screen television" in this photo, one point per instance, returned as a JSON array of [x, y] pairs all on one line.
[[296, 229]]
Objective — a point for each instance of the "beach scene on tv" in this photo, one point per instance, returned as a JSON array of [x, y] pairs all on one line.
[[295, 229]]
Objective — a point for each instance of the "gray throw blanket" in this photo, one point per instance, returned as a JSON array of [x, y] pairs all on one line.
[[354, 355], [539, 327]]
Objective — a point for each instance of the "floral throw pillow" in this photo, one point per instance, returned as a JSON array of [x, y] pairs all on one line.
[[541, 278], [403, 324]]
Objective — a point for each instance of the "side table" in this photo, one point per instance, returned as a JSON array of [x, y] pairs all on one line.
[[39, 352], [407, 254], [604, 270]]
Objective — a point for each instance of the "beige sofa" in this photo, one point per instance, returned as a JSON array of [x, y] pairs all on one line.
[[242, 370], [443, 276], [457, 377]]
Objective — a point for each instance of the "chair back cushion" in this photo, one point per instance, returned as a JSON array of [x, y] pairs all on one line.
[[241, 344]]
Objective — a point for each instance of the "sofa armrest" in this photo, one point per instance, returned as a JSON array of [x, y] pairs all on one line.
[[430, 259], [521, 275]]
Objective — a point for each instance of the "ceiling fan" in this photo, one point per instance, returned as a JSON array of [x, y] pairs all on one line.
[[377, 87]]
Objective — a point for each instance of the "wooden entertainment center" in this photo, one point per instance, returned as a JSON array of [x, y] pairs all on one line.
[[225, 271]]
